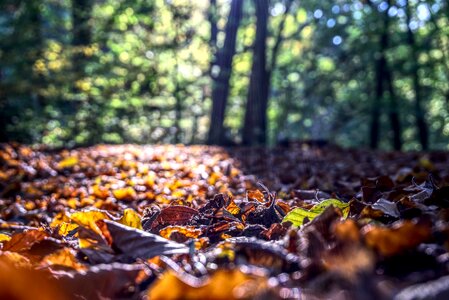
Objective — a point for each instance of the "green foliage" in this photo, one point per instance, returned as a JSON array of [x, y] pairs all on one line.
[[143, 76]]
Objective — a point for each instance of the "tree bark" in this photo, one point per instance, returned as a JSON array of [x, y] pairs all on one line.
[[255, 124], [419, 111], [384, 80], [82, 36], [394, 112], [220, 86]]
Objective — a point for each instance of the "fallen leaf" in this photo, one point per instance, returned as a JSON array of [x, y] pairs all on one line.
[[222, 284], [256, 195], [68, 162], [64, 257], [298, 215], [403, 235], [131, 218], [136, 243], [88, 218], [24, 240]]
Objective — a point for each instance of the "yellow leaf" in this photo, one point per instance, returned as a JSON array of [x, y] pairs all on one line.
[[233, 208], [66, 228], [68, 162], [89, 218], [131, 218], [127, 193], [4, 237], [59, 219]]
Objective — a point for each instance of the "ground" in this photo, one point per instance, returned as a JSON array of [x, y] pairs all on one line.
[[177, 222]]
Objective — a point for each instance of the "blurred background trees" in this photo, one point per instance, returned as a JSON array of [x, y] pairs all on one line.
[[358, 73]]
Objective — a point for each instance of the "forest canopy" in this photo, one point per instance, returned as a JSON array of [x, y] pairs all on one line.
[[357, 73]]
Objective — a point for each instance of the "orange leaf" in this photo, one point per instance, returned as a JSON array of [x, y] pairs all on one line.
[[223, 284], [256, 195], [402, 236], [187, 231], [24, 241], [64, 257]]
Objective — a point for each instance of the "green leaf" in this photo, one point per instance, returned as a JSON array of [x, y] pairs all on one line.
[[320, 207], [297, 215]]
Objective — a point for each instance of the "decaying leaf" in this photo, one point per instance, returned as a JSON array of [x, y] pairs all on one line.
[[222, 284], [24, 241], [136, 243], [185, 231], [256, 195], [63, 258], [402, 236]]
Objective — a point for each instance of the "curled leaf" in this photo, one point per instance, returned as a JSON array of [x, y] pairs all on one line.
[[140, 244]]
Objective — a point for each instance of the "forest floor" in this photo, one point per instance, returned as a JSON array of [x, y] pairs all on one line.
[[198, 222]]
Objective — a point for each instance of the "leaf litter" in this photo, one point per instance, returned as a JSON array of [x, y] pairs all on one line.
[[177, 222]]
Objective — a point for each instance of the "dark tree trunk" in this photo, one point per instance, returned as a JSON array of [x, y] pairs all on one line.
[[4, 117], [375, 109], [394, 112], [255, 124], [419, 111], [82, 36], [212, 17], [384, 81], [220, 88]]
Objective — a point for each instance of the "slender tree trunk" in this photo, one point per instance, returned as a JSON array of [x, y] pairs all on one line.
[[375, 109], [220, 87], [4, 117], [394, 112], [212, 17], [419, 111], [255, 124], [37, 42], [384, 81], [82, 37]]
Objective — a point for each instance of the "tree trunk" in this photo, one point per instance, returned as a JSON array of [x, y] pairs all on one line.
[[81, 14], [419, 111], [220, 87], [82, 37], [255, 124], [212, 17], [4, 116], [384, 80], [394, 112]]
